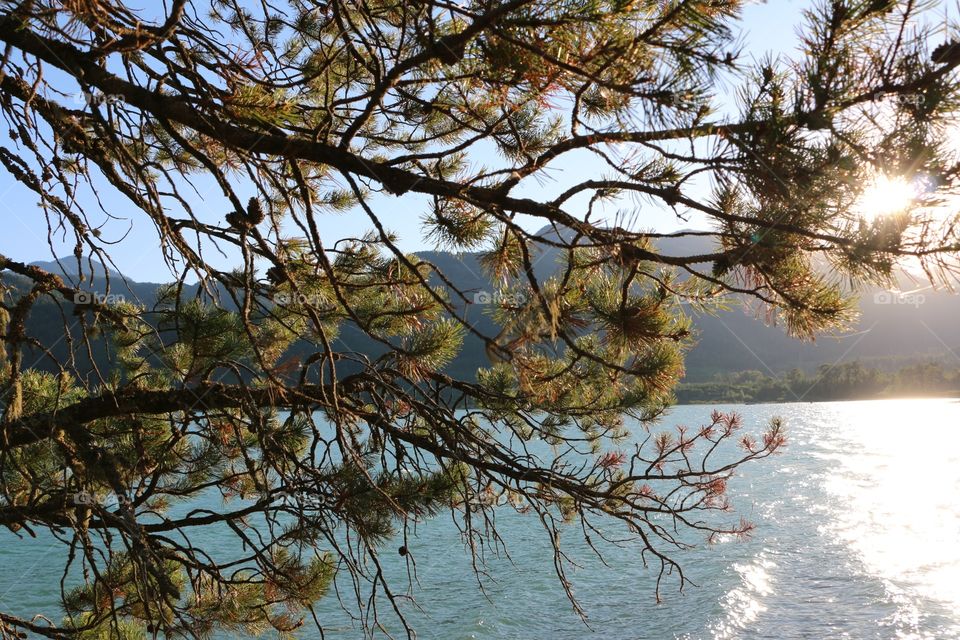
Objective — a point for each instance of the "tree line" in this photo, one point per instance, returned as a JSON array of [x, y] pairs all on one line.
[[841, 381]]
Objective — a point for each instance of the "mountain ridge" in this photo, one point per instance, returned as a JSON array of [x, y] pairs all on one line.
[[890, 327]]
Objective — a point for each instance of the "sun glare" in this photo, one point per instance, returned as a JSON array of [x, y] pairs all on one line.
[[886, 196]]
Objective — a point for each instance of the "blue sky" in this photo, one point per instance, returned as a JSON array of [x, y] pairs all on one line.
[[767, 27]]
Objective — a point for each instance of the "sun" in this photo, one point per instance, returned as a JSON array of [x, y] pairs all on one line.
[[885, 196]]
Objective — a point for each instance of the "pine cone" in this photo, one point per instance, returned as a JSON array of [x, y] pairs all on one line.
[[237, 220], [254, 212], [948, 52], [276, 275]]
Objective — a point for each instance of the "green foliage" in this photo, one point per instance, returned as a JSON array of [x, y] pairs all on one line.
[[841, 381], [457, 225], [242, 133]]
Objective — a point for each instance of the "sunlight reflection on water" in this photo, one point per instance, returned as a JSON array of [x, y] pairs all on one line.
[[744, 603], [896, 481]]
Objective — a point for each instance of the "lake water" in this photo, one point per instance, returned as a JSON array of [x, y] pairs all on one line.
[[858, 536]]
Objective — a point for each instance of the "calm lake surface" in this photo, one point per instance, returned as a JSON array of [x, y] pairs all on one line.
[[858, 536]]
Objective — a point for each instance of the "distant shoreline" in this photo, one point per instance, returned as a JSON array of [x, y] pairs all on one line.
[[681, 402], [827, 383]]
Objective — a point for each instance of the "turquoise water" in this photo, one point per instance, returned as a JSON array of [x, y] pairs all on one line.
[[858, 536]]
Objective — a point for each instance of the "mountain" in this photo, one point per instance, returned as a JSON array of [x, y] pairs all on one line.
[[69, 270], [892, 329]]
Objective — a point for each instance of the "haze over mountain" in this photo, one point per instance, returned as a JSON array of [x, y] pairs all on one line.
[[892, 328]]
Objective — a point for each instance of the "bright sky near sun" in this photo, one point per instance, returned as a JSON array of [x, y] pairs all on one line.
[[768, 27]]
